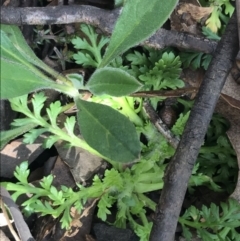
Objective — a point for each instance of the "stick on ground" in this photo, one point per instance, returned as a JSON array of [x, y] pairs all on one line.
[[104, 20], [181, 165]]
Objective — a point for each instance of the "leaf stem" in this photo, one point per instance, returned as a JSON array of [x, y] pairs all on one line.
[[128, 111], [145, 187], [147, 201]]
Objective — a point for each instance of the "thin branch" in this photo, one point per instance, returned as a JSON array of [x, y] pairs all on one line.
[[180, 168], [238, 21], [155, 93], [238, 18], [161, 127], [165, 93], [20, 224], [104, 20], [14, 234]]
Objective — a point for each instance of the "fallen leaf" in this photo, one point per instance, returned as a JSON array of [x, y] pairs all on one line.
[[231, 101], [231, 88], [229, 107], [196, 12], [81, 222], [182, 20]]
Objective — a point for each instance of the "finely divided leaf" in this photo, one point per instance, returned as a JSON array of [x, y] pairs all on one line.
[[138, 21], [90, 53], [53, 111], [7, 136], [38, 103], [85, 59], [22, 172], [108, 132], [33, 134], [137, 58], [112, 81], [69, 125], [48, 142], [21, 122], [179, 125], [103, 206], [46, 182]]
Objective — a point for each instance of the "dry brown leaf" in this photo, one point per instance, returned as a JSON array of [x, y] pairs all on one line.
[[233, 116], [231, 88], [75, 217], [76, 222], [183, 21], [231, 101], [196, 12], [229, 107]]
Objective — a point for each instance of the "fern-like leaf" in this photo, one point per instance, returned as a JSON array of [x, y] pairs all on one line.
[[91, 48]]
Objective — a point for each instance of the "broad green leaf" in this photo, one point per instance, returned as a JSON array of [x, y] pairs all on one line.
[[17, 79], [7, 136], [9, 51], [16, 38], [112, 81], [108, 132], [138, 21], [18, 74]]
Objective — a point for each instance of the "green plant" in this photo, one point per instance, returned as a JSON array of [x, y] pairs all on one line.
[[214, 223], [127, 189], [216, 158], [90, 53], [30, 76], [210, 34], [112, 189], [214, 22], [144, 176], [20, 104], [195, 60], [110, 84]]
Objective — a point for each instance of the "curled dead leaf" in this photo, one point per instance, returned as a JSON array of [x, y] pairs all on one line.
[[77, 223], [196, 12]]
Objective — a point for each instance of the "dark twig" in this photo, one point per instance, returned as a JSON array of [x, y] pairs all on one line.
[[238, 21], [156, 93], [102, 19], [181, 165], [161, 127], [238, 18], [14, 234], [165, 93], [20, 224]]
